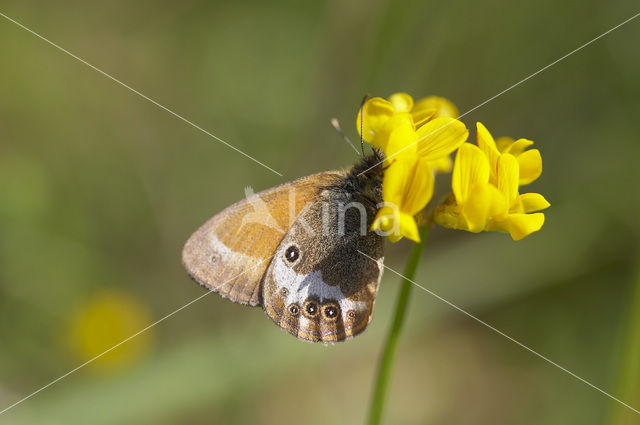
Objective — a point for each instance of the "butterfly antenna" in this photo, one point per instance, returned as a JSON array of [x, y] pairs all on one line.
[[364, 100], [336, 125]]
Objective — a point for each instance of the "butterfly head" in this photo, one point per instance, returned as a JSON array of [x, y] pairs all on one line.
[[365, 177]]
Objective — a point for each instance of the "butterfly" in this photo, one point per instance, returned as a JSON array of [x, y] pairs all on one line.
[[303, 251]]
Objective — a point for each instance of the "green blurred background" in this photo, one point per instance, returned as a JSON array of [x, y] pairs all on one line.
[[99, 189]]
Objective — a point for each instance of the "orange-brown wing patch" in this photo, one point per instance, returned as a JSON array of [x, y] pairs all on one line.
[[230, 253]]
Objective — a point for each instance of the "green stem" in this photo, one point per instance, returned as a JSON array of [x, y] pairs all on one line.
[[629, 372], [386, 361]]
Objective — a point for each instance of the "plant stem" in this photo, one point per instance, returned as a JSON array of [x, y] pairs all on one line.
[[386, 361], [629, 371]]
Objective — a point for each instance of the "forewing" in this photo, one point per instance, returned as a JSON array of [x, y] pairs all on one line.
[[230, 253]]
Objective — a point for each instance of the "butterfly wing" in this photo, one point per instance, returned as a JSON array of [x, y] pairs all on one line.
[[319, 285], [230, 253]]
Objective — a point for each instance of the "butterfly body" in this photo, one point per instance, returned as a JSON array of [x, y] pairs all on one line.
[[297, 250]]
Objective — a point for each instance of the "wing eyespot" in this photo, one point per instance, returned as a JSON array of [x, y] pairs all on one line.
[[330, 312], [292, 254], [310, 309], [294, 310], [351, 315]]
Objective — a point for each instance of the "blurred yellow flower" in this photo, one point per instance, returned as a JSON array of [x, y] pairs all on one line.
[[485, 185], [414, 143], [443, 107], [105, 320]]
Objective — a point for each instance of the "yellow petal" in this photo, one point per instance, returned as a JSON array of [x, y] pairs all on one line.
[[422, 116], [418, 189], [442, 165], [376, 112], [517, 147], [408, 184], [444, 107], [396, 177], [533, 202], [488, 146], [409, 227], [440, 137], [504, 144], [471, 166], [475, 210], [395, 225], [530, 165], [508, 176], [499, 207], [385, 219], [484, 200], [399, 136], [394, 237], [387, 224], [402, 102], [522, 225]]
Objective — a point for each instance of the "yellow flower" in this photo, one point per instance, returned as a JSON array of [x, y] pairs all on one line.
[[529, 161], [417, 139], [474, 199], [105, 320], [485, 185], [399, 114], [407, 185], [516, 219], [380, 117]]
